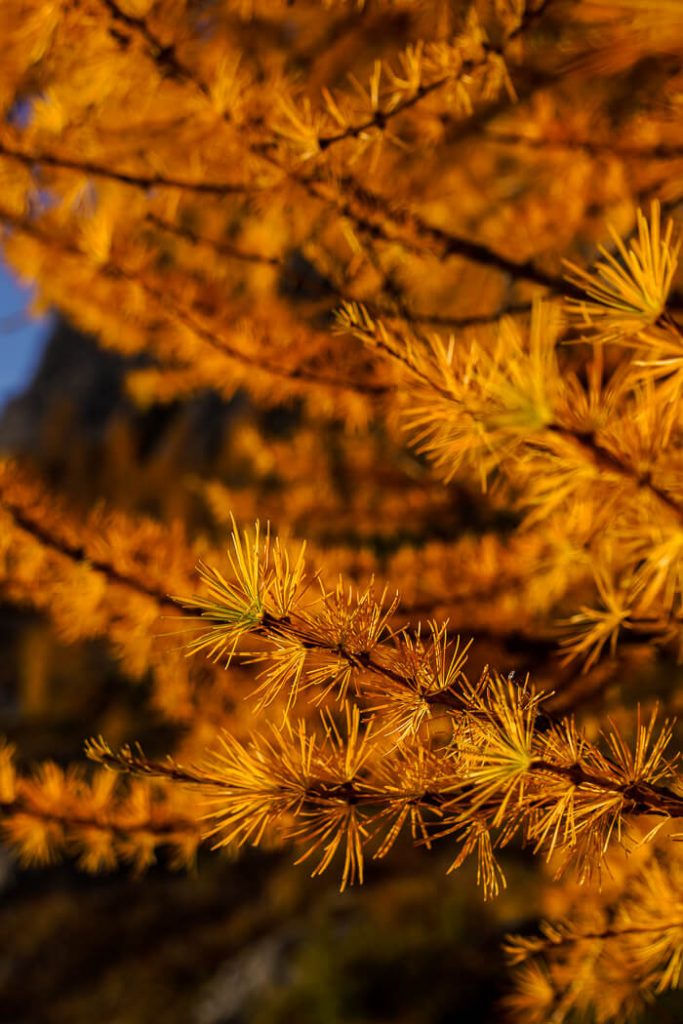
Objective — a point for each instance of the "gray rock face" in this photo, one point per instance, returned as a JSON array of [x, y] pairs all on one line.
[[78, 393], [73, 371]]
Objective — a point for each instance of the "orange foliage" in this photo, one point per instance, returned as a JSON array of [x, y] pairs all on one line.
[[440, 237]]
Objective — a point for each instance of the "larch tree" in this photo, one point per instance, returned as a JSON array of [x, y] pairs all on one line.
[[442, 236]]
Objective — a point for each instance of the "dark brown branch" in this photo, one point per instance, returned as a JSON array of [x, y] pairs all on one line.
[[272, 626], [137, 764], [299, 373], [135, 179], [530, 17], [102, 823], [608, 933], [382, 117], [78, 553], [642, 798], [164, 56], [373, 214], [606, 459], [645, 797]]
